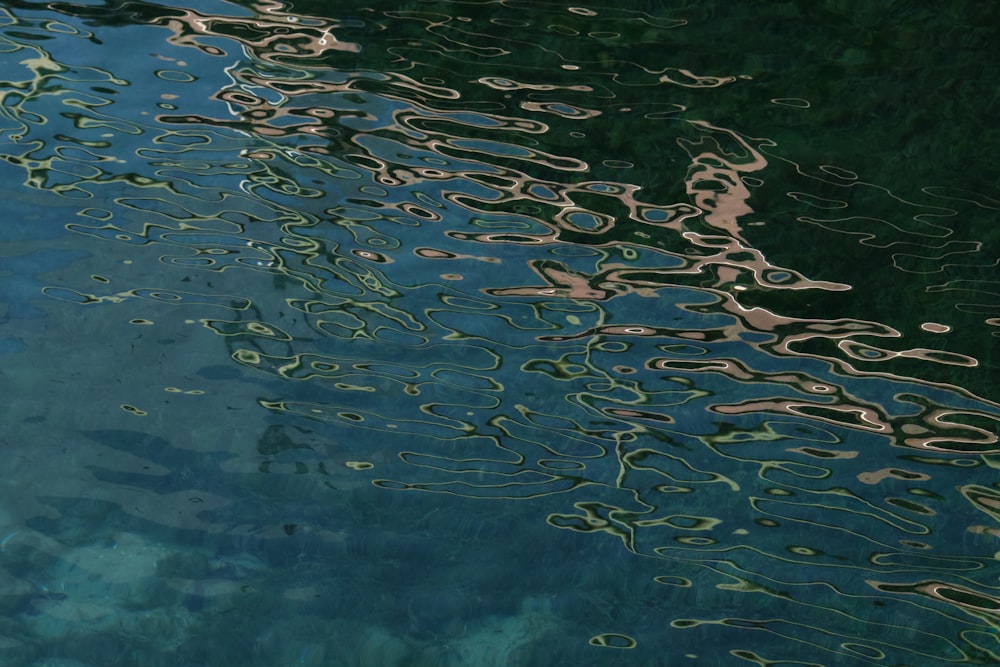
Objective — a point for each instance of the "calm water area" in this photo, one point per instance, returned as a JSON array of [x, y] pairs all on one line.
[[499, 333]]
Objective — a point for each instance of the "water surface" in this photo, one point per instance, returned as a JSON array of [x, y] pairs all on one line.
[[499, 333]]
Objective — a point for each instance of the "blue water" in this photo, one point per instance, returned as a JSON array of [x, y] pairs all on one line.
[[499, 333]]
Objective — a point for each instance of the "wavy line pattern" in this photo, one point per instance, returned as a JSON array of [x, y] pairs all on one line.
[[526, 252]]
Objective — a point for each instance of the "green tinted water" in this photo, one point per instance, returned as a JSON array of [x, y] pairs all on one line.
[[499, 333]]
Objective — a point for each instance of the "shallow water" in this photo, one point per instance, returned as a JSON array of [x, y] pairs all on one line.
[[499, 333]]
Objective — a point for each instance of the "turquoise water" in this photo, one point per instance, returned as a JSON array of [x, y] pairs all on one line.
[[499, 333]]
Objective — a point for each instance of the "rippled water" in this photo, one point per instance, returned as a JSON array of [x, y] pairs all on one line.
[[499, 333]]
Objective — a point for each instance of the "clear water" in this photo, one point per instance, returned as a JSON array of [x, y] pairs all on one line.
[[499, 333]]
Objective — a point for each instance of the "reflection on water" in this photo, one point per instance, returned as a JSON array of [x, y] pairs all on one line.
[[272, 271]]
